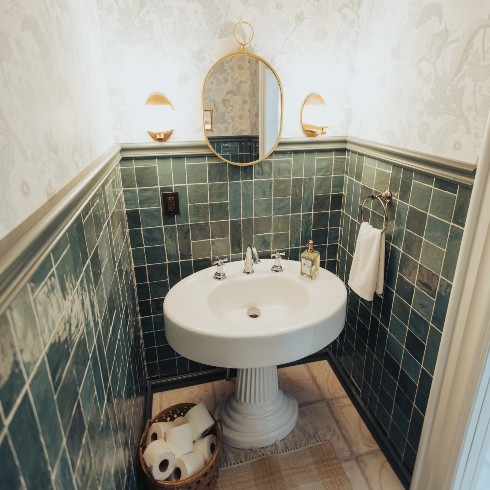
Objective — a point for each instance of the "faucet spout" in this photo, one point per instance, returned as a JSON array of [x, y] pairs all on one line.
[[251, 258]]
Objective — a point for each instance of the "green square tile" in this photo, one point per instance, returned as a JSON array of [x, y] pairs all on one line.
[[198, 193], [281, 205], [282, 169], [423, 178], [201, 250], [280, 241], [324, 166], [151, 217], [146, 176], [126, 162], [263, 225], [247, 199], [452, 252], [262, 207], [420, 196], [442, 204], [128, 178], [200, 231], [298, 164], [262, 189], [280, 223], [164, 166], [338, 184], [309, 165], [220, 247], [153, 236], [235, 200], [217, 171], [432, 257], [218, 192], [416, 221], [437, 232], [178, 170], [412, 245], [368, 176], [263, 242], [263, 170], [172, 243], [196, 173], [149, 197], [131, 198], [462, 204], [219, 211], [423, 304], [198, 212], [281, 187], [183, 217], [339, 165], [220, 229], [323, 185], [382, 180]]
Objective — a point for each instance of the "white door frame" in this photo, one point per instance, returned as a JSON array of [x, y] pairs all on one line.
[[455, 400]]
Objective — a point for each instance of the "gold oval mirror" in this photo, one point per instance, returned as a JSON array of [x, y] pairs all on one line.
[[242, 108]]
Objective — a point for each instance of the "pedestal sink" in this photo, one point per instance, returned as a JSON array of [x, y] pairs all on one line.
[[254, 322]]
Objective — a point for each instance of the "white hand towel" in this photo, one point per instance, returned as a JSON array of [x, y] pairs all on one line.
[[368, 264]]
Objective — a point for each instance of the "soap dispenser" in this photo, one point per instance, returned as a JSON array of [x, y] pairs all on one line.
[[310, 261]]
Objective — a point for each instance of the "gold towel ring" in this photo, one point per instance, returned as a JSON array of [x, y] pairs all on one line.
[[384, 198]]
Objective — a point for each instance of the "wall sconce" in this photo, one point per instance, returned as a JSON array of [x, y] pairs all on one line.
[[314, 115], [159, 114]]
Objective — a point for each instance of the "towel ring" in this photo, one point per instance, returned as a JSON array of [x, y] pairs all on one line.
[[384, 198]]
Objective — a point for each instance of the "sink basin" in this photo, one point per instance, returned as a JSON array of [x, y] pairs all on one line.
[[207, 321], [254, 322]]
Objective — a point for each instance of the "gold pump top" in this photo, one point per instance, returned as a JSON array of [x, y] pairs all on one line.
[[309, 246]]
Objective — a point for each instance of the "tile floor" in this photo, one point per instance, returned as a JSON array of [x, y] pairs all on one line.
[[362, 460]]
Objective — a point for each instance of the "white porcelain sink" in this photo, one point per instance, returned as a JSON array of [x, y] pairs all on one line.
[[254, 322]]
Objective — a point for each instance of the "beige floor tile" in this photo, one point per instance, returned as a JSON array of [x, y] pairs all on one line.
[[222, 390], [354, 474], [297, 381], [318, 417], [354, 429], [378, 472], [327, 381], [191, 394]]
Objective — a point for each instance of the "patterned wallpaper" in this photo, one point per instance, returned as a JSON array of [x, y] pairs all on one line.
[[418, 80], [232, 91], [54, 108]]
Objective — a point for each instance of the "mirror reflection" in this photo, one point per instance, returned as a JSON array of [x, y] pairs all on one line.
[[242, 108]]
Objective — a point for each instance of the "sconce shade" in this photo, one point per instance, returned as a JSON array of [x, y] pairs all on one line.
[[314, 115], [159, 115]]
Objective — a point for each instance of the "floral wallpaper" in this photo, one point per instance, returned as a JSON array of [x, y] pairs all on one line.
[[232, 91], [413, 74], [74, 76], [54, 106]]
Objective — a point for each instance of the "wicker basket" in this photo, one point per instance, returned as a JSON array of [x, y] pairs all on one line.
[[204, 479]]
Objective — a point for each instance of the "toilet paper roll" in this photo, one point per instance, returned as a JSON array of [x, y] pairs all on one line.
[[206, 447], [179, 421], [180, 439], [187, 465], [200, 420], [157, 431], [159, 459]]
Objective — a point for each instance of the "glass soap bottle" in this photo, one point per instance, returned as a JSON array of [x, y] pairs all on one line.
[[310, 261]]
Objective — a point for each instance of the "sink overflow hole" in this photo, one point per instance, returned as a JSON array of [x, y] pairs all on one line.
[[253, 312]]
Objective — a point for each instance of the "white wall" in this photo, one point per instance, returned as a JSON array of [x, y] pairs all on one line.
[[54, 109], [412, 73]]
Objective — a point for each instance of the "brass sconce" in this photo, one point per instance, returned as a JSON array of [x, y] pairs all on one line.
[[313, 115], [160, 114]]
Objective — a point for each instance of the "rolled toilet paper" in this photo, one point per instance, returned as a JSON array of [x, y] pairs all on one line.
[[180, 439], [206, 447], [157, 431], [160, 459], [179, 421], [200, 420], [187, 465]]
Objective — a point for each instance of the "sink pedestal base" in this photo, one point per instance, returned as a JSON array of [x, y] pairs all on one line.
[[258, 413]]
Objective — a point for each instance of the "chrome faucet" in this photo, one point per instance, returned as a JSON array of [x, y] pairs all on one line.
[[251, 258]]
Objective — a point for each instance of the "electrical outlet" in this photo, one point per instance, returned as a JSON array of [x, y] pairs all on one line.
[[170, 203]]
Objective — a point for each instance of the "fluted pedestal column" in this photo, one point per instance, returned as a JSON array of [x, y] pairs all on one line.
[[258, 413]]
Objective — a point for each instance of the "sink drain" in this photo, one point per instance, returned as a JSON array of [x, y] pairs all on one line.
[[253, 312]]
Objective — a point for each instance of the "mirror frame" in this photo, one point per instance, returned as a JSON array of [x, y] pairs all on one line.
[[274, 146]]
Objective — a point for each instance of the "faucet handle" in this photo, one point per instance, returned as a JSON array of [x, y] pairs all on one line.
[[220, 261], [277, 267], [220, 273]]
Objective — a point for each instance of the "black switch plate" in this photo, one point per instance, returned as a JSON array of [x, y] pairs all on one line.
[[170, 203]]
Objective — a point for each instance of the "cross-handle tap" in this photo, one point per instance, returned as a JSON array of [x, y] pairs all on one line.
[[251, 258], [220, 273], [277, 267]]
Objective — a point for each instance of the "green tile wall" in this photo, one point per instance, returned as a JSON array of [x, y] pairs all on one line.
[[279, 203], [389, 346], [72, 376]]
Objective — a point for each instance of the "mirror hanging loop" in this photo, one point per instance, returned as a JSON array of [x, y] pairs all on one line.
[[240, 23]]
